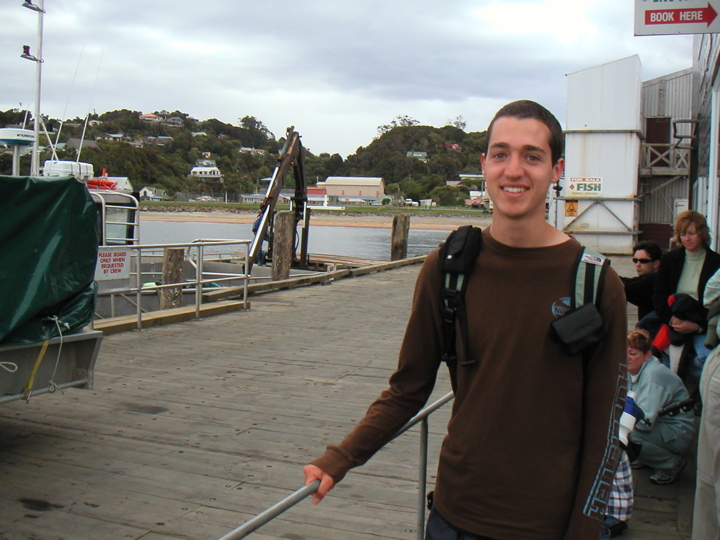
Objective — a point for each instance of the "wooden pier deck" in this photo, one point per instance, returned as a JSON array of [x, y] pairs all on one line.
[[193, 428]]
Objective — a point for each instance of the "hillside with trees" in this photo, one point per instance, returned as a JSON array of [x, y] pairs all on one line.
[[415, 160]]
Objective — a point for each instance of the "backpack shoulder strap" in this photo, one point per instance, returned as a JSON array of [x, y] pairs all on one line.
[[589, 277], [457, 259]]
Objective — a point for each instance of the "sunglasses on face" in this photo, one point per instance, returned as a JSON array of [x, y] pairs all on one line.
[[642, 261]]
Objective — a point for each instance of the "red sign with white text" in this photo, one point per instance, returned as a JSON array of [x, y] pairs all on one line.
[[676, 17]]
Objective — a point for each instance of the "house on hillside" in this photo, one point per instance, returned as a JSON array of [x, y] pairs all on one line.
[[252, 151], [160, 140], [153, 194], [76, 144], [206, 170], [173, 121], [115, 137], [469, 179], [453, 147], [422, 156]]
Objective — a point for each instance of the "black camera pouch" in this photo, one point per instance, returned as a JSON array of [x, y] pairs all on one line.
[[579, 329]]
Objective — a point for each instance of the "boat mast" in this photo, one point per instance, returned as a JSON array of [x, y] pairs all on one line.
[[40, 9]]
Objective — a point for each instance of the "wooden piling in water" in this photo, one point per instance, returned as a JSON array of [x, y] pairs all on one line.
[[283, 245], [399, 238]]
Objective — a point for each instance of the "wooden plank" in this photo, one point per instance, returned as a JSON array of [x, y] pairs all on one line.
[[193, 428]]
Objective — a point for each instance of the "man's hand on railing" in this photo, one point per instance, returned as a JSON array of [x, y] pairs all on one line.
[[313, 473]]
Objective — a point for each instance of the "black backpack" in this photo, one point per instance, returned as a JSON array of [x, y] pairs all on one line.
[[579, 330]]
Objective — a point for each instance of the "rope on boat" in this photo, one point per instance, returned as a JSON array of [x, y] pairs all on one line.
[[52, 385]]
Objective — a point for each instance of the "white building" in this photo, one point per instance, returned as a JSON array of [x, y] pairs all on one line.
[[353, 186], [206, 170], [153, 194], [598, 203]]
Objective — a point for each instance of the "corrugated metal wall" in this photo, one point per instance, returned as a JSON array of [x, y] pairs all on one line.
[[658, 206], [670, 95], [667, 96], [706, 50]]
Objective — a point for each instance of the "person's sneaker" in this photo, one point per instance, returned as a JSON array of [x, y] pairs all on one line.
[[637, 465], [667, 476]]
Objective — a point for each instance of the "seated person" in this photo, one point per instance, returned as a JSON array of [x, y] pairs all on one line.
[[660, 439], [639, 289]]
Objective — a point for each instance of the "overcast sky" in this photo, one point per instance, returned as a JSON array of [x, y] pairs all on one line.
[[335, 69]]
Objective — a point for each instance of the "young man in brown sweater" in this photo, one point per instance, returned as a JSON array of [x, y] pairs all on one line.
[[532, 443]]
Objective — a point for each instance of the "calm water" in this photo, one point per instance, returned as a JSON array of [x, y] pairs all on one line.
[[363, 242]]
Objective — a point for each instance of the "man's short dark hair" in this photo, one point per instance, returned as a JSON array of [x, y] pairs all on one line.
[[651, 248], [525, 109]]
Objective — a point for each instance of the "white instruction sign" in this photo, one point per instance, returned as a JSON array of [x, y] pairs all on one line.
[[113, 263]]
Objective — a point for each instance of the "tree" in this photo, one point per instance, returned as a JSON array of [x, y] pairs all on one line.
[[412, 188], [400, 120], [255, 133], [445, 195], [393, 189], [448, 148], [459, 123]]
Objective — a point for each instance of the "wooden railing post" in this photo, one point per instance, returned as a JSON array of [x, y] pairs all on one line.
[[173, 258]]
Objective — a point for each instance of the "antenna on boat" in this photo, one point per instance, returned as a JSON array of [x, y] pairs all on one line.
[[67, 103], [47, 135], [40, 9], [25, 118], [87, 116]]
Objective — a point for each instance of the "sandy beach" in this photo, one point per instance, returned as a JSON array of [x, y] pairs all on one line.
[[435, 222]]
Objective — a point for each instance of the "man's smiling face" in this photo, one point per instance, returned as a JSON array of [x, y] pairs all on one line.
[[518, 167]]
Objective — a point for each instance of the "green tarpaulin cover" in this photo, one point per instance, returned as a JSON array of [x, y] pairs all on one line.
[[48, 250]]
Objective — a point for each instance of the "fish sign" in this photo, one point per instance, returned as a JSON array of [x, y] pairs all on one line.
[[585, 187], [654, 18]]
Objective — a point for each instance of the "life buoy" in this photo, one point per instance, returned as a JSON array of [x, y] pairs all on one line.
[[102, 183]]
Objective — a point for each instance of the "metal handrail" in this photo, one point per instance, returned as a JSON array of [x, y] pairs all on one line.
[[291, 500], [198, 281]]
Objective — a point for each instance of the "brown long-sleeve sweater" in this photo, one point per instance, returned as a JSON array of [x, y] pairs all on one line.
[[532, 442]]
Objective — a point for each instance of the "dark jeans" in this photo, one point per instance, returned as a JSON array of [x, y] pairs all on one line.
[[439, 529]]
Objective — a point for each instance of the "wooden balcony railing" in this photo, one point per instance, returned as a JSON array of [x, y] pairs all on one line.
[[664, 159]]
